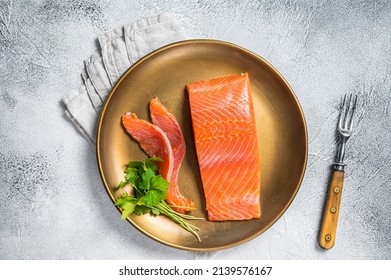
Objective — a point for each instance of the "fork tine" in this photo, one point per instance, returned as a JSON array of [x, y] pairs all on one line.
[[347, 109], [352, 112], [341, 111]]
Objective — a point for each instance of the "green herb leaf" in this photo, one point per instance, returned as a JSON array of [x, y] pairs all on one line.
[[141, 210], [144, 186], [120, 201], [126, 213], [141, 201], [147, 176], [150, 164], [153, 197], [128, 208], [132, 175], [135, 164], [159, 183], [122, 184]]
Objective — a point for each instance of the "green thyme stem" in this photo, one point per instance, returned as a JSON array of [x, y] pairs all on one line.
[[179, 218]]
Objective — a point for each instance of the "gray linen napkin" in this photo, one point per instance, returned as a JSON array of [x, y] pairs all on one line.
[[120, 48]]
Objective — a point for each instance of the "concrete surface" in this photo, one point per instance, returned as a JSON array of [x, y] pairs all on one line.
[[52, 202]]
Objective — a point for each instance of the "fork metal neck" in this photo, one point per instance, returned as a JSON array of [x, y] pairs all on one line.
[[339, 164]]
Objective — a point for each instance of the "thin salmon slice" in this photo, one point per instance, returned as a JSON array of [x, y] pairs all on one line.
[[152, 140], [164, 119], [226, 143]]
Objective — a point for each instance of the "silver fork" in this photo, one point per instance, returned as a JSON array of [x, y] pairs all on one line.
[[330, 215]]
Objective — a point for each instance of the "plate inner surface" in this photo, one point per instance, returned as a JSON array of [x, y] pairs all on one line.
[[281, 128]]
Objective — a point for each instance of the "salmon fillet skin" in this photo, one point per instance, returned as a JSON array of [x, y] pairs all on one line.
[[226, 143]]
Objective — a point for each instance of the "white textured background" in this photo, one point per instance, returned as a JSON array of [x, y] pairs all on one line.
[[52, 202]]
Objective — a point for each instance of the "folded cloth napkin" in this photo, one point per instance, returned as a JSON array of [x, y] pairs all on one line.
[[120, 48]]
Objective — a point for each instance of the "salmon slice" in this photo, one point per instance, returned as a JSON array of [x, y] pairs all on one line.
[[169, 124], [152, 140], [226, 143]]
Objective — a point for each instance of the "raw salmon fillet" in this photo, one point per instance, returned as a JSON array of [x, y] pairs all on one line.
[[168, 123], [152, 140], [225, 137]]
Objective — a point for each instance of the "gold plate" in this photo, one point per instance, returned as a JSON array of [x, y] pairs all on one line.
[[281, 128]]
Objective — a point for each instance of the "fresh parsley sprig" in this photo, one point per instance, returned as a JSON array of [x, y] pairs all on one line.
[[150, 190]]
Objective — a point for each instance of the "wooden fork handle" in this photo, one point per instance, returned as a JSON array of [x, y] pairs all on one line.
[[330, 216]]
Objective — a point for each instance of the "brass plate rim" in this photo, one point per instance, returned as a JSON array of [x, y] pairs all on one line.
[[213, 42]]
